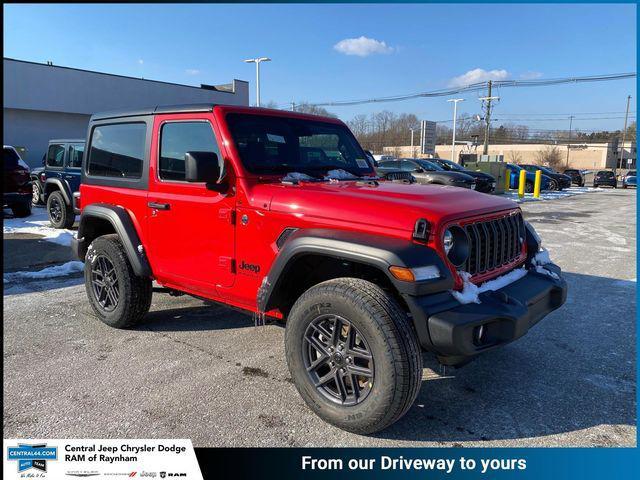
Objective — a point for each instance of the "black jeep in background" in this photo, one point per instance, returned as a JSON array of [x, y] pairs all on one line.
[[605, 177], [16, 183], [576, 176]]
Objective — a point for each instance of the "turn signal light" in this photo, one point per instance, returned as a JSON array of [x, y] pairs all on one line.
[[402, 273]]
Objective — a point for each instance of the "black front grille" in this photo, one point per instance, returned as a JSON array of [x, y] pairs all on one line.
[[399, 177], [494, 243]]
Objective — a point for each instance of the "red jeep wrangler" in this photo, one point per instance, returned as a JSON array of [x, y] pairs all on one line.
[[281, 214]]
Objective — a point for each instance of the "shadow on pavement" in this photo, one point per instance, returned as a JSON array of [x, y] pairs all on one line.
[[204, 317]]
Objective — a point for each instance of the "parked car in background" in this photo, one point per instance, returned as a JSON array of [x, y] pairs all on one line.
[[371, 158], [577, 178], [426, 172], [37, 184], [485, 183], [558, 180], [630, 179], [605, 177], [62, 170], [16, 183], [514, 179]]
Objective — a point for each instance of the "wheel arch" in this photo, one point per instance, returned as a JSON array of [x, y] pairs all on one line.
[[54, 184], [102, 219], [312, 256]]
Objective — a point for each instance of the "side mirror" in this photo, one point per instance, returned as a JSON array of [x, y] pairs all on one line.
[[203, 167]]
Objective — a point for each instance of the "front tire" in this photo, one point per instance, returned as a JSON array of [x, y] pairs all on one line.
[[60, 214], [553, 185], [117, 295], [353, 355]]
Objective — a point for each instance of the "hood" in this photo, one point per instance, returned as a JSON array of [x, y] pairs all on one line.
[[385, 207], [454, 176], [482, 175]]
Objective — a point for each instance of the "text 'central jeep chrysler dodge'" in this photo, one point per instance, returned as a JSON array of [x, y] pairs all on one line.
[[281, 214]]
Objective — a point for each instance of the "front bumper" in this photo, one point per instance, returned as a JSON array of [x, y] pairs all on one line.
[[457, 332]]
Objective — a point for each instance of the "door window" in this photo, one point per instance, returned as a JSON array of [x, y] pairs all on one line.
[[76, 152], [178, 138], [55, 156]]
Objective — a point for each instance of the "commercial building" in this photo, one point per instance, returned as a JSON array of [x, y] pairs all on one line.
[[44, 101], [587, 156]]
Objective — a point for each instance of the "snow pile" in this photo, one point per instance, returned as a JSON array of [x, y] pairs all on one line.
[[470, 291], [339, 175], [63, 270], [551, 195], [294, 177], [542, 258], [38, 224]]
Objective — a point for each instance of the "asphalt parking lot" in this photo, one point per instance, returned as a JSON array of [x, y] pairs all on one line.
[[204, 372]]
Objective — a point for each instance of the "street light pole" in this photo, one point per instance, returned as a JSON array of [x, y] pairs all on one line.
[[455, 114], [257, 61]]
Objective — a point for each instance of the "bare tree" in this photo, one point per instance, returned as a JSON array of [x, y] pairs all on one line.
[[549, 156], [305, 107], [515, 157]]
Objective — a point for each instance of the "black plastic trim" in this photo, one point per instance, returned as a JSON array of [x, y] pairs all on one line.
[[124, 227], [158, 109], [61, 185], [446, 327], [374, 250]]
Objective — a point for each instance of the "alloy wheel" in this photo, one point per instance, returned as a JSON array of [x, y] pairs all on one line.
[[55, 210], [105, 283], [338, 360]]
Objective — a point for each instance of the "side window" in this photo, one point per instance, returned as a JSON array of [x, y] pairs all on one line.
[[117, 150], [408, 166], [76, 153], [178, 138], [55, 156]]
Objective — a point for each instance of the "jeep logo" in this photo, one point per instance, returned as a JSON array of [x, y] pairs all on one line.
[[250, 267]]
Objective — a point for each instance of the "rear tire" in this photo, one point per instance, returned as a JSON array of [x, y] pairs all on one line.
[[117, 295], [364, 404], [21, 210], [61, 215]]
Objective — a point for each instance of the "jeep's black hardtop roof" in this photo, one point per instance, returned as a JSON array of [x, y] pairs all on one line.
[[67, 140], [158, 109]]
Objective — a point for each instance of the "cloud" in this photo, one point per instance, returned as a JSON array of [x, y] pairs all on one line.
[[530, 75], [478, 75], [140, 61], [192, 71], [362, 46]]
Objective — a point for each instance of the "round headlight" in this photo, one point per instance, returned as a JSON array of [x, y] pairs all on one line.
[[456, 245], [447, 241]]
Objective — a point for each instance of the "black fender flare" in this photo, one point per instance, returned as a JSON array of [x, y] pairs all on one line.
[[123, 225], [374, 250], [61, 185]]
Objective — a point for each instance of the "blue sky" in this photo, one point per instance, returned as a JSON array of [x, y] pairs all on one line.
[[407, 48]]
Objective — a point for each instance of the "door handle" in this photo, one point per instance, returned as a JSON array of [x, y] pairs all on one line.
[[159, 206]]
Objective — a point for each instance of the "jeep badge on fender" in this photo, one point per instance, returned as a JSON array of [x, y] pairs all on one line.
[[366, 272]]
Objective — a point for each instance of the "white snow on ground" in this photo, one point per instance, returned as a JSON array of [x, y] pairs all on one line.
[[38, 223], [49, 272], [470, 291], [568, 192]]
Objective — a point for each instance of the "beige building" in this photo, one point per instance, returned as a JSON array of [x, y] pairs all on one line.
[[592, 156]]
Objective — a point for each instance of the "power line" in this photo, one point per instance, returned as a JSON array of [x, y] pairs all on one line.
[[480, 86]]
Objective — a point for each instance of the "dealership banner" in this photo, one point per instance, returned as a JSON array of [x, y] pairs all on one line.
[[96, 458]]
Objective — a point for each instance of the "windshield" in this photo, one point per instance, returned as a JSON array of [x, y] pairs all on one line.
[[605, 173], [277, 145], [12, 160], [546, 170], [452, 165], [513, 168], [427, 165]]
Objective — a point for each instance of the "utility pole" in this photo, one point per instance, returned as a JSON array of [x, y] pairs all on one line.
[[455, 114], [569, 142], [624, 133], [412, 154], [257, 61], [487, 118]]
